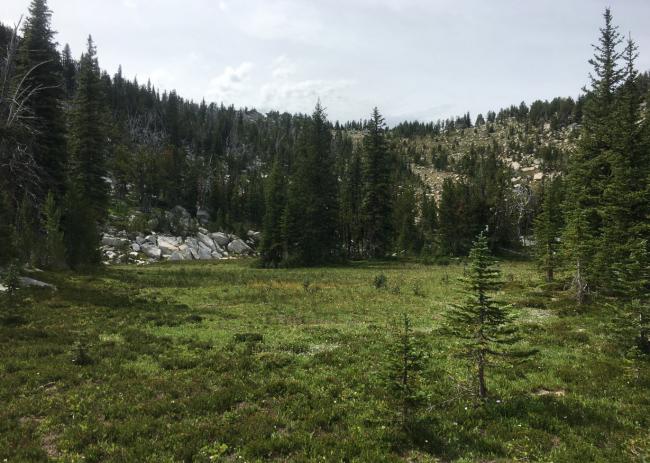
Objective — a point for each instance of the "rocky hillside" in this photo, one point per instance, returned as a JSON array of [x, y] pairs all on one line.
[[530, 151]]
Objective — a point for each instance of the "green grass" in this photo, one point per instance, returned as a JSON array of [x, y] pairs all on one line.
[[191, 361]]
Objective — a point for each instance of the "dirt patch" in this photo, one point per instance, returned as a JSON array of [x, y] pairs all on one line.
[[48, 442], [30, 420]]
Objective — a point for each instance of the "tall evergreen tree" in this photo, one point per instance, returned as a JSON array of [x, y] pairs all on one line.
[[458, 217], [350, 204], [26, 231], [622, 197], [53, 253], [41, 63], [548, 228], [69, 67], [5, 36], [88, 142], [86, 202], [272, 246], [429, 224], [81, 234], [405, 215], [635, 149], [448, 222], [590, 168], [378, 189], [312, 205]]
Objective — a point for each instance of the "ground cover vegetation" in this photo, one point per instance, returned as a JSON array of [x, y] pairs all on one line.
[[376, 323]]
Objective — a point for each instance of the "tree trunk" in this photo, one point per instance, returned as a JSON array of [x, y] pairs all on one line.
[[549, 265], [482, 390], [580, 285]]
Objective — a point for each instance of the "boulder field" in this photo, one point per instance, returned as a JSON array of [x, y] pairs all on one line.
[[180, 238]]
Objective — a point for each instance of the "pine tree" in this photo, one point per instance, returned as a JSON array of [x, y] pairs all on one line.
[[7, 241], [81, 234], [404, 374], [634, 199], [447, 219], [623, 194], [577, 247], [641, 208], [378, 189], [86, 201], [482, 324], [6, 34], [87, 136], [590, 168], [633, 285], [350, 204], [25, 231], [429, 225], [40, 61], [272, 246], [53, 254], [548, 228], [405, 212], [458, 219], [312, 204], [69, 72], [11, 281]]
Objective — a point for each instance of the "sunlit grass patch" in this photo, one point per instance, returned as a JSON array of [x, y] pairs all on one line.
[[143, 365]]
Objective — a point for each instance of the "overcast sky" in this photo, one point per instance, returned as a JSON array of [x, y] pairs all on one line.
[[414, 59]]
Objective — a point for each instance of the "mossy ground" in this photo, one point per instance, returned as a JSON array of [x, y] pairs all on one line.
[[227, 362]]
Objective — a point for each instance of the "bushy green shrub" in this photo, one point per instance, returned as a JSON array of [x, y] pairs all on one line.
[[380, 281]]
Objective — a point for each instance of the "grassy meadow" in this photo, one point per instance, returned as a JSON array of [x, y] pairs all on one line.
[[201, 362]]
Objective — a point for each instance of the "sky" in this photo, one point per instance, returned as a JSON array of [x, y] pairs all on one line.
[[414, 59]]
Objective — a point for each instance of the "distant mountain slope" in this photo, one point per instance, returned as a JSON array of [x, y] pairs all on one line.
[[531, 151]]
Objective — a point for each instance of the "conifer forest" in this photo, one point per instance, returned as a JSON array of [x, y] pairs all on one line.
[[189, 280]]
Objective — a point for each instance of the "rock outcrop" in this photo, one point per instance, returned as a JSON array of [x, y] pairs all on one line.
[[197, 243]]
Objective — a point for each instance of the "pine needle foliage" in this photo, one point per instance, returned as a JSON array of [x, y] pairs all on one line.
[[633, 285], [548, 227], [483, 325], [404, 375], [272, 241], [53, 254]]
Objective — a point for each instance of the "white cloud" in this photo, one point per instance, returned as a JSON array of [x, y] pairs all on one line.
[[297, 21], [195, 57], [163, 78], [282, 67], [301, 96], [286, 92], [231, 82], [354, 54], [278, 86]]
